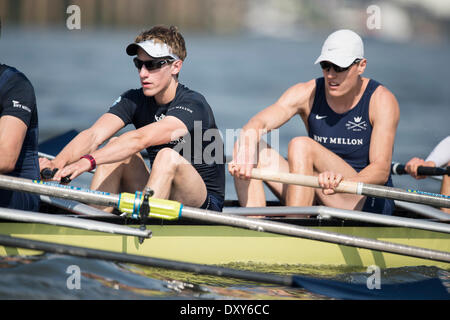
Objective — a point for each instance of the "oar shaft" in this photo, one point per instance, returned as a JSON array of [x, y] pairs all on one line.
[[45, 155], [167, 209], [313, 234], [372, 190], [76, 207], [52, 219], [410, 195], [129, 204], [142, 260], [60, 191]]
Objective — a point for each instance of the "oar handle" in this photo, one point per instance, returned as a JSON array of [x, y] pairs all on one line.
[[48, 173], [303, 180], [433, 171], [399, 169]]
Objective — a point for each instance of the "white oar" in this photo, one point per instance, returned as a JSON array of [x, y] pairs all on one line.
[[50, 157], [433, 199], [168, 209]]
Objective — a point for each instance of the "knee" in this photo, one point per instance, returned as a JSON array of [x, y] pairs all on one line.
[[167, 158], [300, 146]]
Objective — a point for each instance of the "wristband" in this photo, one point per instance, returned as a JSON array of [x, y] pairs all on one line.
[[91, 160]]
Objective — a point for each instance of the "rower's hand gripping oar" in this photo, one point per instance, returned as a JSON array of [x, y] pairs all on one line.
[[372, 190], [399, 169], [48, 174], [136, 206]]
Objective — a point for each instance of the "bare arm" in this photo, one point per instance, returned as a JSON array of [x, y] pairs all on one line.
[[294, 101], [89, 140], [129, 143], [384, 114], [12, 134], [438, 157]]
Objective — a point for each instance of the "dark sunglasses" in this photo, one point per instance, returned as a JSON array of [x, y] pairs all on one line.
[[151, 64], [328, 65]]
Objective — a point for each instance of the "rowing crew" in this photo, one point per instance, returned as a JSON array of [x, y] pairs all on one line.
[[342, 105]]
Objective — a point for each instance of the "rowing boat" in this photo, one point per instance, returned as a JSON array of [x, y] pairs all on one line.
[[144, 231], [328, 237], [207, 243]]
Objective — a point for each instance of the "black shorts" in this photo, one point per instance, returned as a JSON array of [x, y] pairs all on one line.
[[212, 202], [19, 200], [379, 205]]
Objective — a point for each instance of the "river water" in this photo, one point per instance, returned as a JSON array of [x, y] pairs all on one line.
[[77, 76]]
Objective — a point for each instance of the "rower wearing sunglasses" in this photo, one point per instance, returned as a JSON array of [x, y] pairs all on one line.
[[167, 116], [351, 122]]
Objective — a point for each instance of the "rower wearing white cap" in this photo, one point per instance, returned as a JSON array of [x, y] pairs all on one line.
[[166, 116], [351, 122]]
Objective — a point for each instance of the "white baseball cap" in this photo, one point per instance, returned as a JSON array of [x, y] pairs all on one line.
[[153, 49], [342, 48]]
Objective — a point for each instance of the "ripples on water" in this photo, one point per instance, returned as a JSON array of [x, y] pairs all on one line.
[[46, 277]]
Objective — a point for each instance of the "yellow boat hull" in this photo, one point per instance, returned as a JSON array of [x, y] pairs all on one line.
[[223, 245]]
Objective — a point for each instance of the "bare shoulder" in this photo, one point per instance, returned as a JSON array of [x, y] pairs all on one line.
[[302, 88], [384, 105], [299, 96]]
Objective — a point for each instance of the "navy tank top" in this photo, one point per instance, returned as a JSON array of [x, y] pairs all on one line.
[[347, 135]]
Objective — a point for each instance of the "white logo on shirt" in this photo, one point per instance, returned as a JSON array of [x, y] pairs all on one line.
[[17, 104], [356, 125], [176, 141], [159, 118], [339, 140], [181, 108], [117, 101], [320, 117]]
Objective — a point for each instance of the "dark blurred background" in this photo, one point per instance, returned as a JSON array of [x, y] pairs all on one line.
[[402, 20]]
